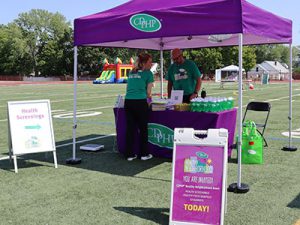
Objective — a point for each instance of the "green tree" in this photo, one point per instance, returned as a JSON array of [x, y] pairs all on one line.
[[89, 60], [280, 53], [249, 58], [263, 53], [296, 57], [207, 59], [230, 56], [14, 57], [57, 56], [43, 30]]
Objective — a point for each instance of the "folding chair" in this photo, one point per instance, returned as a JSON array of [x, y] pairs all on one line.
[[262, 107]]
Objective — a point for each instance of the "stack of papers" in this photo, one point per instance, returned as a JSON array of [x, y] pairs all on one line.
[[158, 107], [159, 104]]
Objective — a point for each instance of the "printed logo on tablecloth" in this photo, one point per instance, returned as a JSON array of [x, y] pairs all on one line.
[[160, 135]]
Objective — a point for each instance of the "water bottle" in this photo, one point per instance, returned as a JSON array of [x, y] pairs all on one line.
[[193, 105], [219, 104], [205, 105], [214, 106], [230, 103], [209, 105], [199, 105], [225, 104]]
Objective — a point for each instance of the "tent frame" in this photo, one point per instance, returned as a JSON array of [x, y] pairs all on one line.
[[237, 187]]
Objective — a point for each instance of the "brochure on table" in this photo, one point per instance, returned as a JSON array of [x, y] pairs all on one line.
[[176, 97]]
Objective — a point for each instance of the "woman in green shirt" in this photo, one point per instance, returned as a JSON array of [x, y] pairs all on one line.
[[140, 81]]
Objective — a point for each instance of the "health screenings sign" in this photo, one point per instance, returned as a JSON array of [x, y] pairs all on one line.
[[30, 125]]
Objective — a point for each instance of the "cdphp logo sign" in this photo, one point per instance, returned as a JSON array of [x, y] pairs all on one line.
[[145, 23], [160, 135]]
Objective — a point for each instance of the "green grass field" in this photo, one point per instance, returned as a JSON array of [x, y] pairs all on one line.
[[106, 189]]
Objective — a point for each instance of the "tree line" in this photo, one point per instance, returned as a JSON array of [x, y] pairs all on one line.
[[40, 43]]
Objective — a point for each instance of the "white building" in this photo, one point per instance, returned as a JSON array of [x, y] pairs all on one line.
[[275, 69]]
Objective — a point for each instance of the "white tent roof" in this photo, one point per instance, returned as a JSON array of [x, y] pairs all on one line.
[[274, 66], [231, 68]]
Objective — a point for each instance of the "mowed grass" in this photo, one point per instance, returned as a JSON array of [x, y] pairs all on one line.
[[106, 189]]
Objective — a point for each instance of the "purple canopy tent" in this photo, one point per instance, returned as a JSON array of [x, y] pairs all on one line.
[[164, 25], [185, 24]]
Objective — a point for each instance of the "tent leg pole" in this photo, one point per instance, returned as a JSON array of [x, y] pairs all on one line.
[[161, 71], [290, 147], [74, 160], [240, 187]]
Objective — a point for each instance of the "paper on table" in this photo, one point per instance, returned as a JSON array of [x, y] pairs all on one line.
[[176, 97]]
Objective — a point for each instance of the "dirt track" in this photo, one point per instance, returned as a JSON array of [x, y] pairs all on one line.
[[17, 83]]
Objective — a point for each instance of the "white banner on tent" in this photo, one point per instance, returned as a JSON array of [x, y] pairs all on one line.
[[30, 128]]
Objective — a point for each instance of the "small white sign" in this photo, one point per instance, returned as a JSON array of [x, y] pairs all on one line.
[[176, 97], [30, 127]]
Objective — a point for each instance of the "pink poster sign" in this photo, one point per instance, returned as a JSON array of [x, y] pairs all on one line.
[[197, 184]]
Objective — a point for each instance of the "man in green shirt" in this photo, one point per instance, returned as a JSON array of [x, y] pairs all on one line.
[[183, 75]]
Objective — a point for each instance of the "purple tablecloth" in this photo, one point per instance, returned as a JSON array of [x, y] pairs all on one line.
[[175, 119]]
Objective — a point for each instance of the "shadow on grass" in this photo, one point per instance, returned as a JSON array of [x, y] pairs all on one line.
[[108, 160], [23, 162], [157, 215], [295, 203], [232, 160]]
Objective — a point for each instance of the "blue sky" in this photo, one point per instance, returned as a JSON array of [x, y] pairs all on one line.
[[72, 9]]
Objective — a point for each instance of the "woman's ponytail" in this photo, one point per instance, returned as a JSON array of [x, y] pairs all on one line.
[[141, 61]]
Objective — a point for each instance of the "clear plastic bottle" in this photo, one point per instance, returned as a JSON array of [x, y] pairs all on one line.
[[230, 103], [223, 104], [200, 105], [197, 105], [205, 105], [193, 103], [219, 105], [214, 106], [210, 105]]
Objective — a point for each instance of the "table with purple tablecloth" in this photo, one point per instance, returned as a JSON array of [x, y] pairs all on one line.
[[162, 123]]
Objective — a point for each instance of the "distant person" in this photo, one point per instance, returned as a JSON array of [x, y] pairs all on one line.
[[184, 75], [139, 87]]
